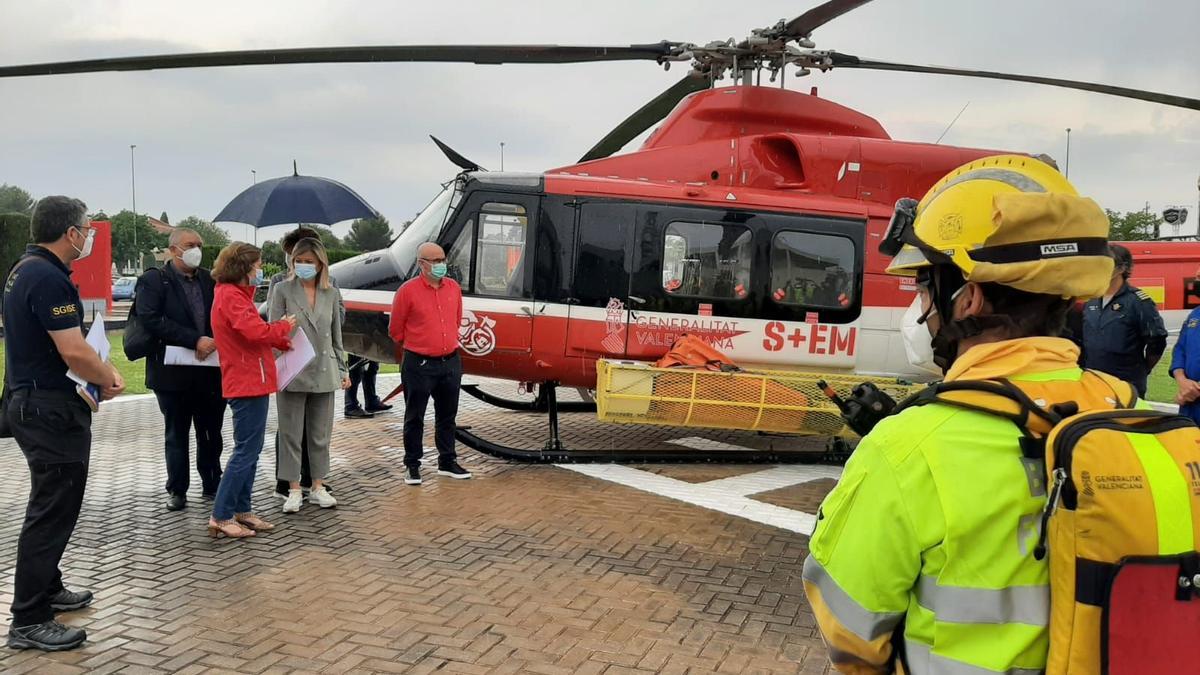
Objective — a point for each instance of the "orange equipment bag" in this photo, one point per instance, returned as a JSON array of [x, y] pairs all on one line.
[[726, 391], [690, 350]]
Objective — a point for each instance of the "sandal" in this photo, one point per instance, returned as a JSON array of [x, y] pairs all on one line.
[[253, 522], [229, 528]]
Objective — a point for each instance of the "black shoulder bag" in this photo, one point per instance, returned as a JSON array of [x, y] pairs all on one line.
[[137, 342]]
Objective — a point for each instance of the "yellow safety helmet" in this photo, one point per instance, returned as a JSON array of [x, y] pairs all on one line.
[[1007, 219]]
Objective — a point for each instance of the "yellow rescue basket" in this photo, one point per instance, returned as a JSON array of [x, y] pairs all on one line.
[[632, 392]]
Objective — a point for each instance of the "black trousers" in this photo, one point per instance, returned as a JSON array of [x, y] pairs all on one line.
[[424, 378], [364, 372], [54, 432], [181, 411]]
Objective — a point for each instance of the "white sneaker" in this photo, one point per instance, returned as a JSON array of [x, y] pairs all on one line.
[[321, 498], [292, 503]]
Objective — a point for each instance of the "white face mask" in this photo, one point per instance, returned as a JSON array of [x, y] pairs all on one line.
[[192, 257], [88, 240], [918, 342]]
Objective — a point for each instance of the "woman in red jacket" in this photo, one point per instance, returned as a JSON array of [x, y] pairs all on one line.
[[244, 343]]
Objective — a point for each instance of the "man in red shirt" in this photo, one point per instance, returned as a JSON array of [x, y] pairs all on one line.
[[425, 316]]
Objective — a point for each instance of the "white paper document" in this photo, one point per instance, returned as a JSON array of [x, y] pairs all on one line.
[[97, 339], [182, 356], [290, 363]]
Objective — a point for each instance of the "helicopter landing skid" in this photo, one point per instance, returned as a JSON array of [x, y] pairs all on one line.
[[553, 451], [538, 404]]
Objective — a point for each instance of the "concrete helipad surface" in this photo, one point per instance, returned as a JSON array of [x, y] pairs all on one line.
[[526, 568]]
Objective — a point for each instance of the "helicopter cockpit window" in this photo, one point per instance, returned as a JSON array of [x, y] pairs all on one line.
[[499, 268], [425, 227], [458, 258], [812, 270], [707, 260]]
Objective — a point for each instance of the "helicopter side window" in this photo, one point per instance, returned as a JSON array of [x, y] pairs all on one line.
[[500, 264], [707, 260], [813, 270]]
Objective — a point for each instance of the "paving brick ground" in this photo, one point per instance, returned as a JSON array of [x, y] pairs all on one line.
[[523, 569], [805, 497]]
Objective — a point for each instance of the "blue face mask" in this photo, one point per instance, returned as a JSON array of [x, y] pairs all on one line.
[[438, 270], [306, 271], [258, 276]]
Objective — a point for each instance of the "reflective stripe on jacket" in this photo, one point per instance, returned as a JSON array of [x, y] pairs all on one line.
[[933, 524]]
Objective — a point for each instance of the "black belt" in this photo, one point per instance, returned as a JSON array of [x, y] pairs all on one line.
[[445, 357], [30, 393]]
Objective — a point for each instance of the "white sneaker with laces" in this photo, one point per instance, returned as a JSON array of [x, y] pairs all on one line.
[[293, 501], [321, 498]]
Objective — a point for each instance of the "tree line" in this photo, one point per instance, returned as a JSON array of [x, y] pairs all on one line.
[[134, 236]]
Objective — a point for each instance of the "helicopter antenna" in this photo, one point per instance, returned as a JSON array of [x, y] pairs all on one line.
[[960, 112]]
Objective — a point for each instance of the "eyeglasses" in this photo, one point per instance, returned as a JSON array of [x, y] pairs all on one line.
[[433, 261]]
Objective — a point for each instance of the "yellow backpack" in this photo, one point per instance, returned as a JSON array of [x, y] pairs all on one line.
[[1121, 523]]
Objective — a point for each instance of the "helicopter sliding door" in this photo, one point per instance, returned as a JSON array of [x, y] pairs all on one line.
[[488, 256], [598, 318]]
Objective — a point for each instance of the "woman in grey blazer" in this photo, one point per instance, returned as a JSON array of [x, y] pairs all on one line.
[[305, 405]]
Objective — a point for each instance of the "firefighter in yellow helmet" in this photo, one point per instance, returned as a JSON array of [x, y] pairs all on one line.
[[922, 557]]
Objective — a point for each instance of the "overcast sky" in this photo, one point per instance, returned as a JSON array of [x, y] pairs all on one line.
[[199, 133]]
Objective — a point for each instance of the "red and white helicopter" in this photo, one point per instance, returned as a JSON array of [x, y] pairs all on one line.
[[750, 217]]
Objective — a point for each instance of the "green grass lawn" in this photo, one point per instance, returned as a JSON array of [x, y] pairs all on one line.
[[1161, 386], [135, 372]]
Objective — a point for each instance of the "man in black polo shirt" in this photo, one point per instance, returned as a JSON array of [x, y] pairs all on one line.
[[49, 420], [175, 305]]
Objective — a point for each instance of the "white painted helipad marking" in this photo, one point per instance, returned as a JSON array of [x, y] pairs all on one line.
[[697, 443], [722, 495], [772, 479]]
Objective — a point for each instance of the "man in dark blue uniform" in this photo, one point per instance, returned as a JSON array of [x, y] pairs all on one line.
[[49, 420], [1123, 333]]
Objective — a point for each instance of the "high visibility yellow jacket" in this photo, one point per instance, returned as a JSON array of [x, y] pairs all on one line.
[[930, 531]]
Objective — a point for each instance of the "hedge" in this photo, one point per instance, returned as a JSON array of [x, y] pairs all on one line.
[[14, 237], [210, 254]]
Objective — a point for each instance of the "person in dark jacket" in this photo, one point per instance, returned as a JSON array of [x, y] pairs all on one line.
[[363, 371], [175, 305], [1185, 364], [1123, 333]]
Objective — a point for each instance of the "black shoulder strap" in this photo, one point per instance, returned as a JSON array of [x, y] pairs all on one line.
[[1124, 405], [1031, 445], [161, 277], [15, 266], [1004, 388]]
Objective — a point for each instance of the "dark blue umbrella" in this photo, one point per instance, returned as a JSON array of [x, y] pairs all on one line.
[[296, 199]]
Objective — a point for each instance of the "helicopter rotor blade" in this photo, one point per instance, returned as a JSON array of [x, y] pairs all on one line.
[[646, 116], [806, 23], [455, 158], [840, 60], [481, 54]]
